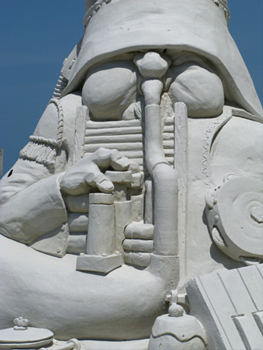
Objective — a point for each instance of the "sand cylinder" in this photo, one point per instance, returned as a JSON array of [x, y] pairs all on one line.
[[101, 229]]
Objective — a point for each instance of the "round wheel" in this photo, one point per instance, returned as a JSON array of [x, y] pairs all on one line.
[[238, 216]]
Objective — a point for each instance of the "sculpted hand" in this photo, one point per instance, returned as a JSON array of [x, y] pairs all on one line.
[[87, 173]]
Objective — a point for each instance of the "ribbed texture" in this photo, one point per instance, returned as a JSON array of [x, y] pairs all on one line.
[[60, 86], [60, 128], [168, 140], [127, 137], [42, 153]]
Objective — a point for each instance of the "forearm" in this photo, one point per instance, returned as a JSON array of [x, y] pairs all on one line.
[[31, 204]]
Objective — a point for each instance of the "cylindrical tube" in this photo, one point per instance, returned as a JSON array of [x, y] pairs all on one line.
[[101, 229], [165, 185], [165, 210], [154, 153]]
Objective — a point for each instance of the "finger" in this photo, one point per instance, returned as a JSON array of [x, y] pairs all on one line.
[[96, 179], [105, 158], [105, 185], [72, 185], [101, 157], [118, 161]]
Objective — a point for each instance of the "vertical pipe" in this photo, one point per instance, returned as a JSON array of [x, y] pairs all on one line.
[[165, 185], [181, 163]]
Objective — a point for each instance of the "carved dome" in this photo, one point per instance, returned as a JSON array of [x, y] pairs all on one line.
[[200, 27]]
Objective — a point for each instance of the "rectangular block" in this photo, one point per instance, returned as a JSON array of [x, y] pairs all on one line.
[[123, 217], [249, 332], [101, 198], [123, 177], [251, 280], [101, 230], [100, 264], [237, 291], [227, 303], [258, 316], [222, 310]]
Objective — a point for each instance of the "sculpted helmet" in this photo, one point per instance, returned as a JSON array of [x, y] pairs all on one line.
[[114, 27]]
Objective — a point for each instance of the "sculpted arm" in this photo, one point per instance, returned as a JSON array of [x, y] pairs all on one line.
[[32, 193], [31, 203]]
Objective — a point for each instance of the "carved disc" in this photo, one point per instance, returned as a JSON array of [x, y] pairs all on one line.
[[240, 207], [21, 339]]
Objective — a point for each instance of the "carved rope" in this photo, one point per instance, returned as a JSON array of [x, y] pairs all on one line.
[[60, 128], [40, 152]]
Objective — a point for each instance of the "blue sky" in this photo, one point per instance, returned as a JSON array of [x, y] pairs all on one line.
[[36, 36]]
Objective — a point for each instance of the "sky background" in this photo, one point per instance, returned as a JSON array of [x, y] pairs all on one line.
[[36, 36]]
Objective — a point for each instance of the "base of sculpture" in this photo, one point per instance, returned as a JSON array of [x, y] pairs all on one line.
[[141, 344], [72, 344]]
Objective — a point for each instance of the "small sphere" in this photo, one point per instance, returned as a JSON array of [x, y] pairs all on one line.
[[151, 65], [176, 310]]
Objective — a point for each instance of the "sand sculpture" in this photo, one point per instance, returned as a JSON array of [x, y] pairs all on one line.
[[133, 218]]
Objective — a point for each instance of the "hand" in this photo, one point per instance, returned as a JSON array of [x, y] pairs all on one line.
[[87, 173]]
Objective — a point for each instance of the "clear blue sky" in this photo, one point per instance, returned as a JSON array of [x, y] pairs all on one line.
[[36, 36]]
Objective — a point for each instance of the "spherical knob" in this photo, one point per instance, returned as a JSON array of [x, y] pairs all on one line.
[[151, 64], [175, 310]]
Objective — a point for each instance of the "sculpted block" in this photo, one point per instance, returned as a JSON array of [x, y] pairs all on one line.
[[132, 211], [229, 306]]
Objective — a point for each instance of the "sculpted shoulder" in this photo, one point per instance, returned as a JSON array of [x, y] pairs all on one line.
[[48, 123], [238, 149]]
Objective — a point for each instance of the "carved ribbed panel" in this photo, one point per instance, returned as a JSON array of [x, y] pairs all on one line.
[[230, 305], [127, 137], [124, 135], [168, 140]]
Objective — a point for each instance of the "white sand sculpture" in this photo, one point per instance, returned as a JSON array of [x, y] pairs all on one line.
[[131, 216]]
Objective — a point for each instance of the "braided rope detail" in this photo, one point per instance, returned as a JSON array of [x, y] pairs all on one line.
[[43, 140], [60, 128], [41, 151], [60, 86]]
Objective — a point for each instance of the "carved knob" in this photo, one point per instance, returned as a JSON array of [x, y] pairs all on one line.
[[176, 310], [20, 323], [152, 65]]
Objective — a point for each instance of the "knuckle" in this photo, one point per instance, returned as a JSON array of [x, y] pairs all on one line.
[[115, 154], [101, 151]]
